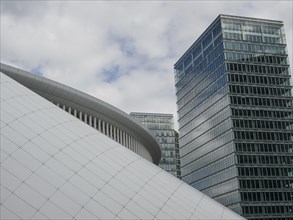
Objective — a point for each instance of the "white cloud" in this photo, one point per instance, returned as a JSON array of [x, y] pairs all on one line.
[[76, 43]]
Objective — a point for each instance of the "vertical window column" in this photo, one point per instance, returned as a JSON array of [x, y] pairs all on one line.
[[103, 127], [95, 122], [90, 120], [111, 133], [124, 139], [130, 143], [99, 125], [107, 129], [120, 137], [135, 146], [115, 133], [127, 141]]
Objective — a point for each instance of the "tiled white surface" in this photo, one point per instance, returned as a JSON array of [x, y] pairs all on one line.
[[55, 166]]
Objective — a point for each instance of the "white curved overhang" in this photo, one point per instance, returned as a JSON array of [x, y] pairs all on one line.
[[52, 90]]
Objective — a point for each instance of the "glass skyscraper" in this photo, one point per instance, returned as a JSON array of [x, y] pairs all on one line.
[[162, 127], [236, 117]]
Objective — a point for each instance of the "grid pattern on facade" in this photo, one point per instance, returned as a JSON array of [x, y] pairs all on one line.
[[235, 116], [53, 166], [261, 106], [162, 127]]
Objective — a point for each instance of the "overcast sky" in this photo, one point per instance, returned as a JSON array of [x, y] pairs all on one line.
[[122, 52]]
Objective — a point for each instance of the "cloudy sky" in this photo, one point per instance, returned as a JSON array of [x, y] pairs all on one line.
[[122, 52]]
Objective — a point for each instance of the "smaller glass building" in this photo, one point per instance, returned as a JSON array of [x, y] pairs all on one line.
[[162, 127]]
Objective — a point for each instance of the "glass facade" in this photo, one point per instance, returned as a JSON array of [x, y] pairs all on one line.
[[162, 127], [236, 116]]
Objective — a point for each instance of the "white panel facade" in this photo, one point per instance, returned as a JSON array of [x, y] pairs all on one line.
[[53, 166]]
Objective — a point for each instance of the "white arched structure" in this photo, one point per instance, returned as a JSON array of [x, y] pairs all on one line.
[[105, 118]]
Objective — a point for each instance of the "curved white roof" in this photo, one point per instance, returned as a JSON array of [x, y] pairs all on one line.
[[53, 166], [52, 90]]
